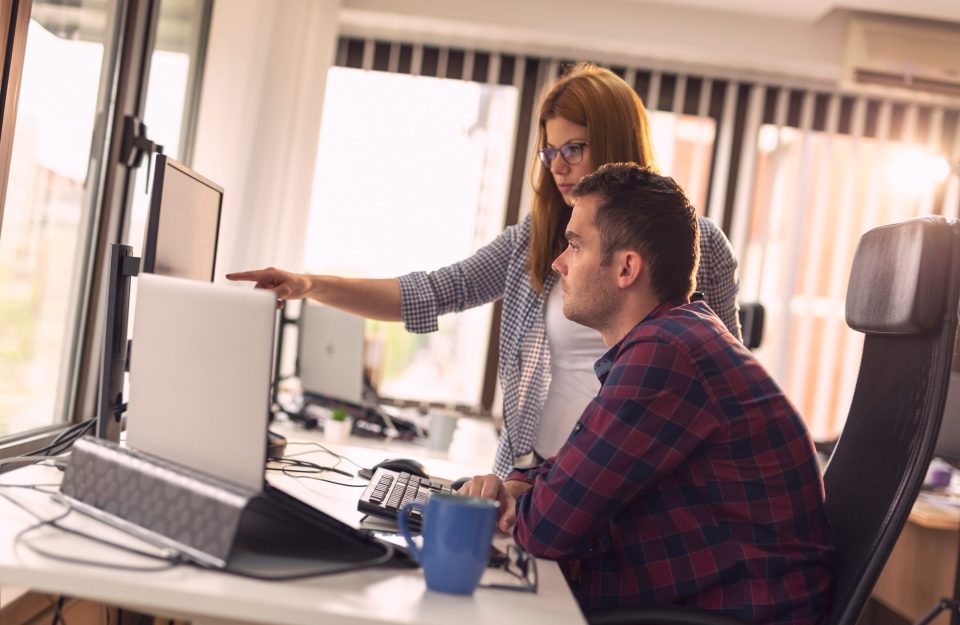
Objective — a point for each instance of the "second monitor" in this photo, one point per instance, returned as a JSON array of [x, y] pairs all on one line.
[[330, 353], [181, 237]]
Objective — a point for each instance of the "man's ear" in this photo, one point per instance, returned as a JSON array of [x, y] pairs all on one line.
[[630, 266]]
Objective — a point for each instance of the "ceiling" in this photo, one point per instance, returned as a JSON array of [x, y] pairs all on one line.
[[813, 10]]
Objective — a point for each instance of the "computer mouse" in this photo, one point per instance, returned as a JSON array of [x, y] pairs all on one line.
[[404, 465], [458, 484]]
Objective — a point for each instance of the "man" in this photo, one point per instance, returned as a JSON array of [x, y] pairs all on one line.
[[689, 479]]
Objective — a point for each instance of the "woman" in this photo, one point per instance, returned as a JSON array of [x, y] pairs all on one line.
[[588, 118]]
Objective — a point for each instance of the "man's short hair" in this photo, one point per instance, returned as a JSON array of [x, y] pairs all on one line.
[[643, 211]]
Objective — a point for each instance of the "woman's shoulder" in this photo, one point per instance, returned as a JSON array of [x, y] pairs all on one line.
[[713, 241], [707, 227]]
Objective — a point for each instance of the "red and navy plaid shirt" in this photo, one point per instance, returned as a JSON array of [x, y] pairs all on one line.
[[690, 479]]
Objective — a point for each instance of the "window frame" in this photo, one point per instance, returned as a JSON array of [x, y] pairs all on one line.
[[137, 21]]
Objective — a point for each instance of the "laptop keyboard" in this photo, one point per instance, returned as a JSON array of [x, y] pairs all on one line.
[[389, 491]]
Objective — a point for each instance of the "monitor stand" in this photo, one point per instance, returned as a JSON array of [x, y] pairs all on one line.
[[123, 266]]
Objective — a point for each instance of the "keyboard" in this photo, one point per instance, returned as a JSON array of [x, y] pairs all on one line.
[[388, 491]]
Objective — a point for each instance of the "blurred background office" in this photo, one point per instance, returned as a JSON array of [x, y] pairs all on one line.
[[373, 137]]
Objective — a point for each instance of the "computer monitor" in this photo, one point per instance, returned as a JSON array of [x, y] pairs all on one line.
[[181, 237], [330, 354], [180, 241]]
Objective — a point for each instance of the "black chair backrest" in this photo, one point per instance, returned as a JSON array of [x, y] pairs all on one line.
[[751, 316], [903, 295]]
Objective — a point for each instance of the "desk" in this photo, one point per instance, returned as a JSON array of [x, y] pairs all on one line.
[[923, 564], [362, 598]]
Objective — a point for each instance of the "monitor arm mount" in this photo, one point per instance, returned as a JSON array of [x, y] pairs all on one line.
[[123, 266]]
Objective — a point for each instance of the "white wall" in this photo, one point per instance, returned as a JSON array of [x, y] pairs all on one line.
[[259, 123], [672, 35]]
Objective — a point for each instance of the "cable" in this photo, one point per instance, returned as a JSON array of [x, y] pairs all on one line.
[[51, 451], [57, 610], [66, 438], [304, 469], [36, 487], [82, 425], [30, 459], [321, 479], [170, 560], [310, 467], [55, 449], [60, 446], [323, 449]]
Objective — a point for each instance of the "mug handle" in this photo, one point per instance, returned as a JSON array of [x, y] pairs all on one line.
[[405, 527]]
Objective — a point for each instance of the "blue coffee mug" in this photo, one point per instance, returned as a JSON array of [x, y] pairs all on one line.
[[457, 532]]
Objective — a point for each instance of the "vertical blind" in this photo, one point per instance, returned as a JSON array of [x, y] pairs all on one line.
[[796, 175]]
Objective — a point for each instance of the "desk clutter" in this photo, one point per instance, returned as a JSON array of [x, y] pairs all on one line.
[[942, 484]]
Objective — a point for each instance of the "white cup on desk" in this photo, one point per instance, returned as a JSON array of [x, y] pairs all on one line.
[[337, 426], [442, 426]]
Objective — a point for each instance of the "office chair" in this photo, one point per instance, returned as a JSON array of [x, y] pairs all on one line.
[[751, 324], [903, 295]]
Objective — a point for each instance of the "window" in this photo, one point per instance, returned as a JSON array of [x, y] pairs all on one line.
[[683, 147], [63, 201], [412, 174], [171, 96], [49, 211], [815, 194]]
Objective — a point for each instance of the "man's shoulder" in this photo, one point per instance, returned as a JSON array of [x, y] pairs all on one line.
[[685, 324], [690, 335]]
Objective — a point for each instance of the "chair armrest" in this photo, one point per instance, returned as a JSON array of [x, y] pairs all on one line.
[[667, 615]]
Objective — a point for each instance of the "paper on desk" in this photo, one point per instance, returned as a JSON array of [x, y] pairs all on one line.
[[940, 498]]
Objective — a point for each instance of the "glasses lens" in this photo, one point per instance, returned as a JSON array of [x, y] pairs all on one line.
[[572, 153], [547, 155]]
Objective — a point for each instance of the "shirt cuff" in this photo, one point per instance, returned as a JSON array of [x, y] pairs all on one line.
[[418, 307], [522, 475]]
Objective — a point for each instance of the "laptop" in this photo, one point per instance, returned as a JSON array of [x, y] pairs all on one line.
[[200, 380], [330, 354], [200, 367]]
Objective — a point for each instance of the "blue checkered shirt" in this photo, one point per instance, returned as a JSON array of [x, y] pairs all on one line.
[[499, 269]]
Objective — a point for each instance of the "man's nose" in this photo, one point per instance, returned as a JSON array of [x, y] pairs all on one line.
[[558, 265]]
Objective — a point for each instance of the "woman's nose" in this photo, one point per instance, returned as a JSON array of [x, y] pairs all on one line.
[[558, 165]]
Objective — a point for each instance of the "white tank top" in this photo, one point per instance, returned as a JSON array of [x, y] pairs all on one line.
[[573, 351]]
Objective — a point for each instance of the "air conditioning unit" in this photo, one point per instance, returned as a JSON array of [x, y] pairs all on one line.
[[903, 54]]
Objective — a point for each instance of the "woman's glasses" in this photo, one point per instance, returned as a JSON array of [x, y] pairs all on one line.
[[571, 153], [522, 566]]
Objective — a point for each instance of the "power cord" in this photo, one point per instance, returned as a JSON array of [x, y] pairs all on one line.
[[304, 469], [170, 559], [30, 459], [56, 448], [57, 610]]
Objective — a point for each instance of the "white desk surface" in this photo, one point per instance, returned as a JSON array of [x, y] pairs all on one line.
[[361, 598]]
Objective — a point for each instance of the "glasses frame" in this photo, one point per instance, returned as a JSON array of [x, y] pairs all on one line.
[[548, 155], [520, 565]]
